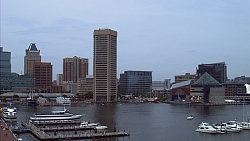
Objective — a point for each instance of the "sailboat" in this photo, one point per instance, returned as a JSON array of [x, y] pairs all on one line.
[[31, 101], [190, 117]]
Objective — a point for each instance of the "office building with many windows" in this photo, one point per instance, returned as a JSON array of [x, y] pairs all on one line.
[[42, 71], [136, 83], [217, 70], [74, 69], [105, 65], [32, 55], [5, 66]]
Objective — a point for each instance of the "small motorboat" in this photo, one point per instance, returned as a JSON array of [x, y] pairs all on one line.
[[190, 117]]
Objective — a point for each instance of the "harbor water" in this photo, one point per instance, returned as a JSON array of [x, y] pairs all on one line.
[[151, 121]]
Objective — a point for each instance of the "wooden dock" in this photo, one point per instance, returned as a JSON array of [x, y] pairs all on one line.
[[41, 134]]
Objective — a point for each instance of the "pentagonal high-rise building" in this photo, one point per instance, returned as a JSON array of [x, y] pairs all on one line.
[[105, 65], [32, 55]]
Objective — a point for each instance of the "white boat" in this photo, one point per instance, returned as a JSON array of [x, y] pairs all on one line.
[[100, 127], [205, 127], [55, 115], [190, 117], [9, 113], [244, 125], [63, 100], [229, 127], [88, 124]]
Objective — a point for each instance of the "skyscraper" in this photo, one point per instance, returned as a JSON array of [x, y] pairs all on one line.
[[5, 66], [105, 65], [75, 68], [32, 55]]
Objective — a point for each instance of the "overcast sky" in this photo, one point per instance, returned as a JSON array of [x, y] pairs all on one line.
[[168, 37]]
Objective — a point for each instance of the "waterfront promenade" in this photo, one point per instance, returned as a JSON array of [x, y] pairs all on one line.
[[5, 133]]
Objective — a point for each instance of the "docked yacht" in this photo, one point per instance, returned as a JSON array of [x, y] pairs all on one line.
[[231, 126], [55, 115], [88, 124], [9, 113], [63, 100], [205, 127], [244, 125]]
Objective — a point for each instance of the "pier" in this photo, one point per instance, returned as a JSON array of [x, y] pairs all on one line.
[[6, 133], [41, 133]]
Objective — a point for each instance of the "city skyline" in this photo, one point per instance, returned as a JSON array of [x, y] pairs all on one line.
[[165, 37]]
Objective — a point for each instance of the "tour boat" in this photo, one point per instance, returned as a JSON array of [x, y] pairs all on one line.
[[55, 115], [9, 113]]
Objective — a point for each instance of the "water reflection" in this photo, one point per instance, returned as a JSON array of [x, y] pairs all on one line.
[[105, 114]]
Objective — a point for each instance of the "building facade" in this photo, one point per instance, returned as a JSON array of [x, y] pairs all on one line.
[[207, 90], [59, 79], [42, 71], [32, 54], [217, 70], [187, 76], [180, 91], [19, 83], [85, 87], [136, 83], [242, 79], [234, 88], [74, 68], [5, 66], [105, 65]]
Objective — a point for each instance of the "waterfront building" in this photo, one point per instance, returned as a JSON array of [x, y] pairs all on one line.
[[42, 71], [217, 70], [234, 88], [185, 77], [136, 83], [5, 67], [180, 91], [105, 65], [32, 54], [160, 88], [207, 90], [74, 68], [85, 87], [19, 83]]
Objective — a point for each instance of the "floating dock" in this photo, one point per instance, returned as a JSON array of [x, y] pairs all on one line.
[[41, 134]]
